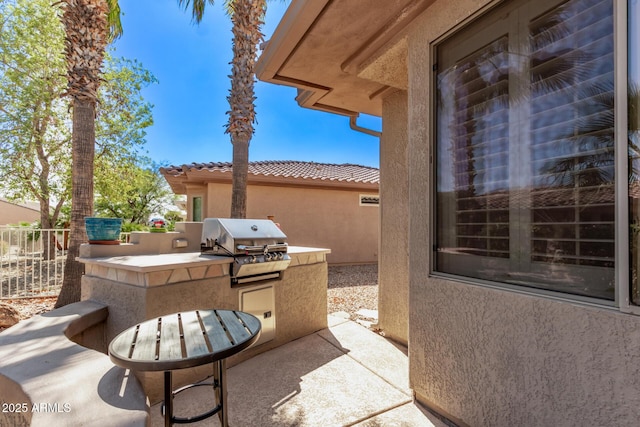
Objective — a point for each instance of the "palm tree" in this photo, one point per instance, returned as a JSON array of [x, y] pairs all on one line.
[[247, 17], [89, 27]]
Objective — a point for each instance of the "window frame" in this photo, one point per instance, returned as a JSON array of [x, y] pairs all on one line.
[[620, 25], [622, 291], [193, 207]]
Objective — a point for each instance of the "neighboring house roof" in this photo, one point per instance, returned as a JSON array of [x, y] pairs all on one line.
[[277, 172]]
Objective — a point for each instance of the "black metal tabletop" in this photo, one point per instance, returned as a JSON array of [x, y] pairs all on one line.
[[184, 340]]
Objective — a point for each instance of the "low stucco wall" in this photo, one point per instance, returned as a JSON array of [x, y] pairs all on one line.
[[492, 357], [47, 379]]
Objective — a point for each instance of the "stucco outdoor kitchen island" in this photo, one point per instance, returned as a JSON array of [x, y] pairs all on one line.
[[138, 287]]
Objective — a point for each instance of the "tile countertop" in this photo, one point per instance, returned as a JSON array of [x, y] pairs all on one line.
[[158, 262]]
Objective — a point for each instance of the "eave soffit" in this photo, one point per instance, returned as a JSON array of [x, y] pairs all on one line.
[[343, 56]]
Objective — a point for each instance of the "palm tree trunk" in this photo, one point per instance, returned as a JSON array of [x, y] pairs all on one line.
[[83, 149], [88, 24], [247, 19], [239, 176]]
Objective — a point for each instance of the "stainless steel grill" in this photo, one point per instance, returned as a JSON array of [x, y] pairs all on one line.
[[258, 246]]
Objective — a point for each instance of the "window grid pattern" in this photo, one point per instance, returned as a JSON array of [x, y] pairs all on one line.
[[480, 142], [571, 68]]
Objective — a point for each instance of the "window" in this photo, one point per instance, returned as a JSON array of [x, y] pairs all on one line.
[[197, 208], [525, 147]]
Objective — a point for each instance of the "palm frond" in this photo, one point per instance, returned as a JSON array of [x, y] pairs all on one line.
[[229, 6], [197, 8], [113, 20]]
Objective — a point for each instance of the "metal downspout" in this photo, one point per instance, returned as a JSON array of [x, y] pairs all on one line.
[[353, 125]]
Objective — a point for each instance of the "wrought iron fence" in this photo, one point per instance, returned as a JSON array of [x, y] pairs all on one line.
[[31, 261]]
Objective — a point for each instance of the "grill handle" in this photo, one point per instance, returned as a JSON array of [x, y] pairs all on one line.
[[263, 248]]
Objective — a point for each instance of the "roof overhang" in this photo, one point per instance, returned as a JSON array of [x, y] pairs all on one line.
[[343, 56]]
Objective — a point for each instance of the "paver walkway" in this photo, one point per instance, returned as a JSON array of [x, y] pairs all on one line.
[[345, 375]]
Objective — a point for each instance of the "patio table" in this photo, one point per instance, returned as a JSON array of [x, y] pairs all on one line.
[[185, 340]]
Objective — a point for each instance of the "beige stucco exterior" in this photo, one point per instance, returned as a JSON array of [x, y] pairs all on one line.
[[11, 213], [322, 218], [479, 354], [393, 267], [489, 356]]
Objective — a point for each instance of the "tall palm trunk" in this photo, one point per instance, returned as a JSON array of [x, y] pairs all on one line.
[[239, 176], [247, 19], [81, 196], [87, 30]]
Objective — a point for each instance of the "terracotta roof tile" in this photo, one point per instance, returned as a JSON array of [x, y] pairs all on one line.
[[290, 168]]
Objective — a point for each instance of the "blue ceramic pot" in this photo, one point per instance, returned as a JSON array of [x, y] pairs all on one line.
[[103, 229]]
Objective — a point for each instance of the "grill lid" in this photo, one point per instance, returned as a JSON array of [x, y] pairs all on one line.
[[230, 236]]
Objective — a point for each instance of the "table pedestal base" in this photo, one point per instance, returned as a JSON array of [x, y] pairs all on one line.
[[218, 384]]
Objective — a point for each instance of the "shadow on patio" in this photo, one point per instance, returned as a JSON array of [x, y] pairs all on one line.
[[345, 375]]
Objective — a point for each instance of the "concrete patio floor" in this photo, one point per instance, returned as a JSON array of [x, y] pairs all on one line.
[[345, 375]]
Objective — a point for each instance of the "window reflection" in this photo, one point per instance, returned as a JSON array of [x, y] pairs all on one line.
[[572, 135], [525, 142]]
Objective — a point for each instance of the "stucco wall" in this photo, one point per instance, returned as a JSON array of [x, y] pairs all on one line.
[[14, 214], [320, 218], [496, 358], [486, 356], [393, 268]]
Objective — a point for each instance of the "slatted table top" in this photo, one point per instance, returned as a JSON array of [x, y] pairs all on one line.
[[184, 340]]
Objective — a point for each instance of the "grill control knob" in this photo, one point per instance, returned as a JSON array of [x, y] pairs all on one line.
[[253, 259], [280, 255]]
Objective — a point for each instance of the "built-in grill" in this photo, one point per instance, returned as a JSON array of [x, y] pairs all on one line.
[[258, 246]]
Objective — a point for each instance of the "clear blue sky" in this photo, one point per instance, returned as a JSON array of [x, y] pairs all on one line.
[[191, 63]]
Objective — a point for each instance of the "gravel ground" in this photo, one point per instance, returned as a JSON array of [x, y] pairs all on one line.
[[27, 276], [351, 288], [29, 307]]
